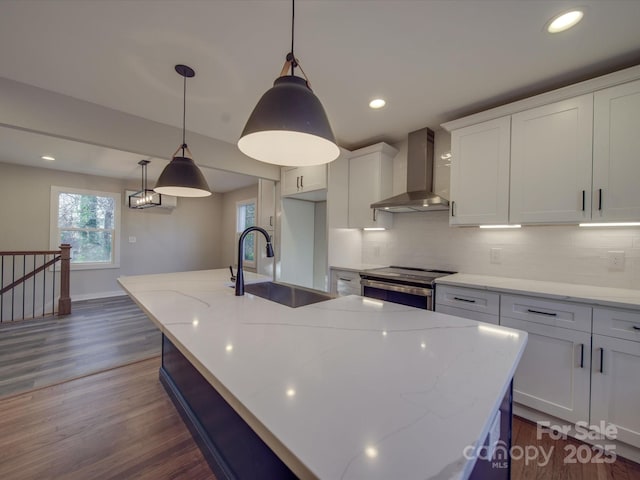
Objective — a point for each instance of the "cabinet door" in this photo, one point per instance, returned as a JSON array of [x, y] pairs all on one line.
[[551, 159], [266, 204], [480, 173], [300, 180], [615, 387], [312, 178], [553, 375], [616, 153], [370, 180], [290, 181]]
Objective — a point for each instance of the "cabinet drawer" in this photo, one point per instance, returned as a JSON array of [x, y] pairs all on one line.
[[345, 282], [467, 299], [470, 314], [546, 312], [618, 323]]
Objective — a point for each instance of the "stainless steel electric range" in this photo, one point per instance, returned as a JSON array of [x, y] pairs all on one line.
[[404, 285]]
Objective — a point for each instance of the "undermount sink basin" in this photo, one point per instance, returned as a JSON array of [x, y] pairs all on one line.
[[290, 295]]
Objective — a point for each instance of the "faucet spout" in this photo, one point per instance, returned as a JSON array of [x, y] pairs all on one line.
[[239, 271]]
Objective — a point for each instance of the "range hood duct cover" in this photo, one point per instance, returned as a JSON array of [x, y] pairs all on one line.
[[420, 168]]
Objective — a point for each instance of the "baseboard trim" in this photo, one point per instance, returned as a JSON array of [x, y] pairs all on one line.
[[93, 296]]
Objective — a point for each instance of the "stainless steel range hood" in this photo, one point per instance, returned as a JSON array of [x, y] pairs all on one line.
[[420, 167]]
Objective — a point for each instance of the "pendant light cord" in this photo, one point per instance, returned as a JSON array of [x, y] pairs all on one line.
[[184, 113], [293, 22]]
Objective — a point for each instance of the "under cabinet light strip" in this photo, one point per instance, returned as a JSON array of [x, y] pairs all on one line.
[[612, 224], [500, 226], [374, 229]]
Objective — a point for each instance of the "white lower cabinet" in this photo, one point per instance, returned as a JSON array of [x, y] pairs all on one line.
[[615, 380], [581, 362], [344, 282], [553, 375], [469, 303]]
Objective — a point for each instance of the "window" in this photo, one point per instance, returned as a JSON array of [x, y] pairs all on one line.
[[246, 217], [90, 222]]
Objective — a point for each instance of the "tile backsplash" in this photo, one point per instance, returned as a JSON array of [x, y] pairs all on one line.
[[553, 253]]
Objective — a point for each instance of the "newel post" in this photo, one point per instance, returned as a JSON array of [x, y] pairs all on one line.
[[64, 302]]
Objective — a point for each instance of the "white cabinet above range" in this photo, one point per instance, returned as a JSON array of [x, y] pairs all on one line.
[[370, 180]]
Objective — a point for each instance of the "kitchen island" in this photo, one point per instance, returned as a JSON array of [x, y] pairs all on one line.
[[343, 389]]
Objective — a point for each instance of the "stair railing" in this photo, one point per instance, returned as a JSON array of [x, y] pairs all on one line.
[[32, 283]]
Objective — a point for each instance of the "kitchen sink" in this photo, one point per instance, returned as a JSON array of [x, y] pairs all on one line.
[[290, 295]]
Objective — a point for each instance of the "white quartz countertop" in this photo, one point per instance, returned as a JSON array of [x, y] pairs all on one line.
[[356, 267], [601, 296], [350, 388]]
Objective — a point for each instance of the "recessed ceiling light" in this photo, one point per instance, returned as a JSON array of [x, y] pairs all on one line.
[[564, 21], [377, 103], [48, 157]]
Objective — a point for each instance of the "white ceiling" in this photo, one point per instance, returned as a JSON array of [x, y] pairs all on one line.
[[433, 60]]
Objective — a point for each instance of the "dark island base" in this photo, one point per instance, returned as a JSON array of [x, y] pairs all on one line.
[[234, 451]]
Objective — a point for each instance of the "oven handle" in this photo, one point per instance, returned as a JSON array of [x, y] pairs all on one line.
[[393, 287]]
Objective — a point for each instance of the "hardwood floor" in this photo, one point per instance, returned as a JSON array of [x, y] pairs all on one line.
[[118, 424], [98, 335], [525, 436]]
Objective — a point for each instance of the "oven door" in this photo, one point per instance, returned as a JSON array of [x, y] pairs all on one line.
[[418, 297]]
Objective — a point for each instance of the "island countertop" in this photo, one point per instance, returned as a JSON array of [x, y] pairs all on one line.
[[343, 389]]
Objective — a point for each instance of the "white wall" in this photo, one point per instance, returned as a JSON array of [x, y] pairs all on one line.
[[320, 280], [185, 238]]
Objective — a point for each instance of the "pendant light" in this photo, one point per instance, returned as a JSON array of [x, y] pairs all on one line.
[[289, 126], [144, 198], [182, 177]]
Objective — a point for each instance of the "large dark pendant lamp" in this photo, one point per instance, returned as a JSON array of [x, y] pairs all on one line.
[[182, 177], [289, 126]]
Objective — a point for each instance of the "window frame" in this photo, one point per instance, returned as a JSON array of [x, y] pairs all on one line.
[[54, 230], [243, 203]]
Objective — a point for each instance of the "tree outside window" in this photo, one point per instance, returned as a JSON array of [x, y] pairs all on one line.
[[246, 217], [88, 221]]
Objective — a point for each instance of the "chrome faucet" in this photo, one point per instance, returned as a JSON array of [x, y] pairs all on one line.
[[239, 273]]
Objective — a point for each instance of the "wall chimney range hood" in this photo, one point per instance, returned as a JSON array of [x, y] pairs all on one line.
[[420, 168]]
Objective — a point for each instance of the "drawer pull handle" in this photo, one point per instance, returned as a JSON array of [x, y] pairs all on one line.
[[582, 355], [464, 300], [602, 360], [345, 279], [549, 314], [635, 327], [583, 199]]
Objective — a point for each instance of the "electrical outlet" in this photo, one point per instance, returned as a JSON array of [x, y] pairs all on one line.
[[615, 260], [495, 255], [132, 239]]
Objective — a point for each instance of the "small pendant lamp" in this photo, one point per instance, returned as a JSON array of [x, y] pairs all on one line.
[[182, 177], [289, 126]]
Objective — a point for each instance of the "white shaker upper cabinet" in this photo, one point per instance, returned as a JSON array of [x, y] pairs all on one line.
[[551, 158], [370, 180], [298, 181], [480, 173], [616, 153]]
